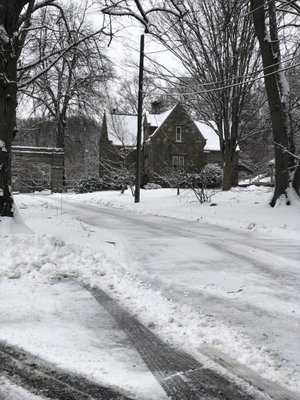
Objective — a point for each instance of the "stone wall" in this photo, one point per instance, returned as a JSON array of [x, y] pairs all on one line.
[[37, 168]]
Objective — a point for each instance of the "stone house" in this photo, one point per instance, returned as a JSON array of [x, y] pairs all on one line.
[[170, 140], [173, 139], [117, 143]]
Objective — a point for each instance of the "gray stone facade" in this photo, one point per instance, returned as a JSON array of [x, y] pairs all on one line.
[[23, 156], [163, 145], [170, 140], [114, 156]]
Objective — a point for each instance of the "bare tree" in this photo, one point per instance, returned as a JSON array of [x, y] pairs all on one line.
[[265, 18], [117, 164], [136, 9], [172, 177], [127, 100], [16, 21], [117, 152], [13, 17], [75, 83], [216, 47]]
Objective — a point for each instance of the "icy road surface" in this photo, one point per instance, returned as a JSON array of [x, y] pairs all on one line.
[[248, 281], [228, 297]]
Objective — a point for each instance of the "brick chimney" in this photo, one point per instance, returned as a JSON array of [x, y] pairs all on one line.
[[156, 107]]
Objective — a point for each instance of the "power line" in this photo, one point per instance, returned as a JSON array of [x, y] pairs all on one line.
[[290, 56], [235, 84]]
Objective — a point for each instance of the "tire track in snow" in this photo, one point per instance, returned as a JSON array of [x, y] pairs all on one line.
[[44, 379], [180, 375]]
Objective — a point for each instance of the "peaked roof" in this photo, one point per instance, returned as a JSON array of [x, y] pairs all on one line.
[[209, 133], [208, 130], [156, 120], [121, 129]]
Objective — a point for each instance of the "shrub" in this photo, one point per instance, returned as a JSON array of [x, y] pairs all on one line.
[[89, 185], [107, 182], [210, 177], [150, 186], [112, 182]]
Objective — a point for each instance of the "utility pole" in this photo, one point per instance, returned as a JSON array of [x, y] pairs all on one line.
[[139, 122]]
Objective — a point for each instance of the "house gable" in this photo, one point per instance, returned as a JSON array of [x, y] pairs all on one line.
[[117, 143], [170, 140], [103, 130], [176, 139], [122, 129]]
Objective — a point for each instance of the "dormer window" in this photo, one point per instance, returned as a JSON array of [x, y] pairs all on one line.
[[178, 134]]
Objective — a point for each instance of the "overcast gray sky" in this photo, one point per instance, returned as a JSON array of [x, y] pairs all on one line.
[[124, 48]]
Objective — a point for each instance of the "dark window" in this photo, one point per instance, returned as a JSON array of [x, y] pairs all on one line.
[[178, 162], [178, 133]]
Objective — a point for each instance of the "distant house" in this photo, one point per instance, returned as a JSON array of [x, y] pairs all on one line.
[[170, 140], [117, 144], [174, 139]]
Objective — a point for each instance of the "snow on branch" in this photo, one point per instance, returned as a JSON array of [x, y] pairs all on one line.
[[138, 12], [32, 8], [291, 6], [285, 150], [60, 54], [3, 34], [2, 146], [43, 3]]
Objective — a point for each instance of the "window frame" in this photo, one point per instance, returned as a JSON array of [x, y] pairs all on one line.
[[178, 133], [180, 161]]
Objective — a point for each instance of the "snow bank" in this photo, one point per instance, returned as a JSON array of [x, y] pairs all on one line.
[[48, 259], [240, 208], [79, 252]]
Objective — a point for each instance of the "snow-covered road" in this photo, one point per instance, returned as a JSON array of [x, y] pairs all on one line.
[[215, 292], [248, 280]]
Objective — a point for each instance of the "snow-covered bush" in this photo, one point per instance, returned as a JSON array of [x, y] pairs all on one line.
[[151, 186], [89, 185], [113, 182], [107, 182], [210, 177]]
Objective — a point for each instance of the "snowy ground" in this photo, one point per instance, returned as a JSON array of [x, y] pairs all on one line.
[[9, 391], [220, 279]]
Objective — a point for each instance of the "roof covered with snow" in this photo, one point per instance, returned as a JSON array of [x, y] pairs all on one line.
[[122, 129], [208, 131], [156, 120]]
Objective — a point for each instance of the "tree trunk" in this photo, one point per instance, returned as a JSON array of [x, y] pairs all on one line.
[[228, 143], [296, 180], [269, 48], [9, 12], [60, 131], [227, 173]]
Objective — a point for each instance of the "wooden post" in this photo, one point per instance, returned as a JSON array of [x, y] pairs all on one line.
[[139, 123]]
